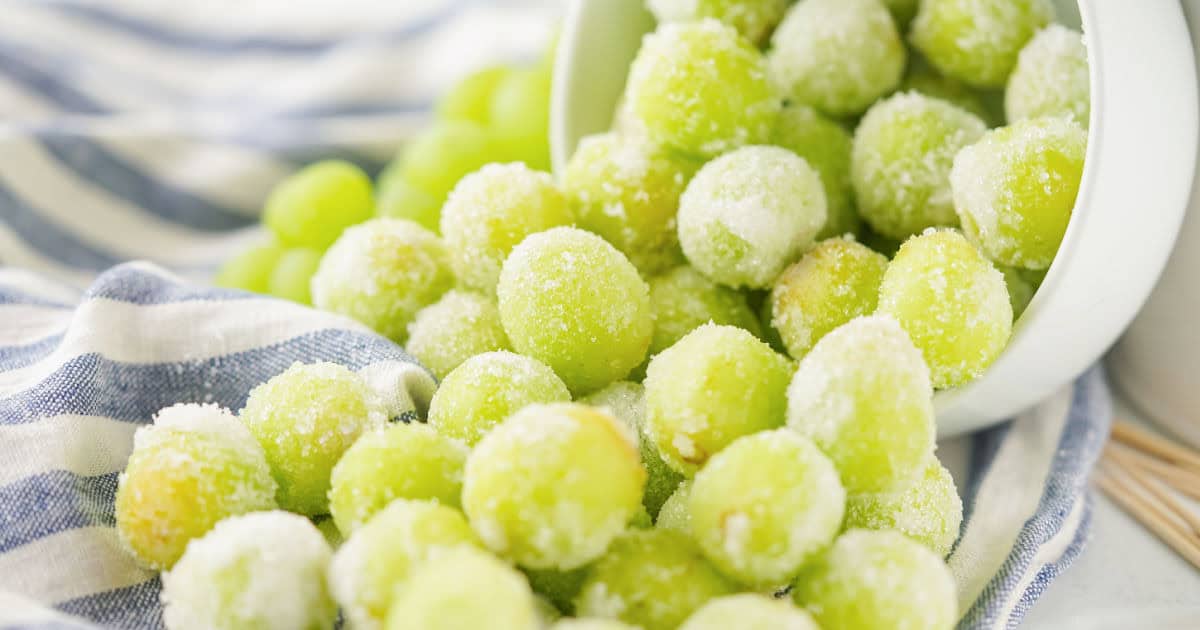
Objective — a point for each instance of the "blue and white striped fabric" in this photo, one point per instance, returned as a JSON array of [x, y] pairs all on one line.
[[136, 130]]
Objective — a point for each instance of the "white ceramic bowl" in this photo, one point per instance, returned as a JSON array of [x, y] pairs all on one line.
[[1140, 163]]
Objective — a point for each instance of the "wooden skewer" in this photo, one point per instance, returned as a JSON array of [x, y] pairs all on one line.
[[1143, 440], [1155, 487], [1181, 479], [1151, 516]]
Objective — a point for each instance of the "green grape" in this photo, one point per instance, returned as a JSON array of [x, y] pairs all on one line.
[[977, 41], [770, 335], [464, 588], [749, 611], [753, 19], [903, 11], [546, 611], [749, 213], [652, 579], [312, 207], [471, 98], [441, 155], [519, 117], [903, 151], [627, 402], [951, 301], [193, 467], [701, 89], [293, 274], [922, 77], [559, 587], [592, 623], [385, 551], [1022, 286], [401, 461], [382, 273], [251, 269], [870, 579], [329, 530], [928, 510], [837, 55], [683, 300], [305, 418], [490, 212], [676, 512], [264, 570], [1015, 189], [455, 328], [400, 200], [863, 395], [825, 145], [884, 245], [715, 385], [832, 284], [1050, 78], [553, 485], [488, 388], [572, 301], [628, 192], [763, 506]]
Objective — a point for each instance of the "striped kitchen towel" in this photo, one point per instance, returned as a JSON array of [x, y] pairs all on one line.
[[148, 131]]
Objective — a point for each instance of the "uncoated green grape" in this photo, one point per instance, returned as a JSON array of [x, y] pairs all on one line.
[[471, 98], [1051, 78], [441, 155], [408, 461], [715, 385], [455, 328], [385, 552], [749, 611], [837, 55], [559, 587], [701, 89], [1015, 189], [951, 301], [825, 145], [193, 467], [749, 213], [863, 395], [832, 284], [313, 206], [652, 579], [765, 505], [627, 191], [263, 570], [382, 273], [487, 388], [305, 418], [928, 510], [293, 274], [400, 200], [1022, 286], [683, 300], [572, 301], [464, 588], [903, 151], [676, 512], [977, 41], [520, 117], [903, 11], [878, 579], [553, 485], [490, 212], [251, 269], [754, 19]]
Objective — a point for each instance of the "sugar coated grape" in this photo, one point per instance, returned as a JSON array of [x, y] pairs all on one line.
[[652, 579], [749, 213], [292, 274], [553, 485], [1015, 189], [765, 505], [591, 623], [837, 55], [305, 418], [832, 284], [572, 301], [263, 570], [683, 300], [441, 155], [826, 146], [928, 510], [559, 587], [193, 467], [628, 191], [676, 512], [386, 550], [701, 88], [878, 579], [754, 19], [863, 395], [486, 389], [519, 117], [464, 588], [749, 611], [951, 301], [401, 200], [382, 273], [251, 269], [903, 151], [922, 77], [455, 328], [490, 212], [627, 402], [313, 206], [471, 98], [1051, 78], [977, 41], [715, 385], [410, 461]]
